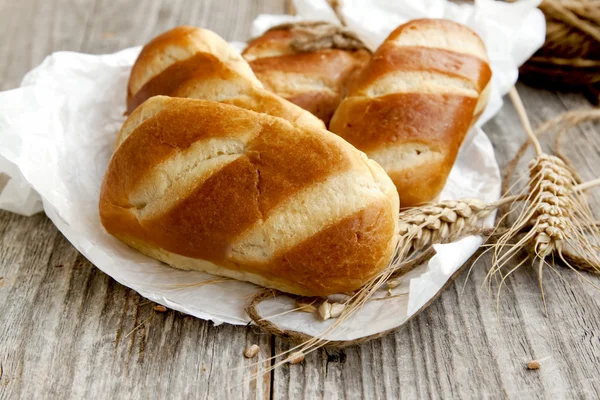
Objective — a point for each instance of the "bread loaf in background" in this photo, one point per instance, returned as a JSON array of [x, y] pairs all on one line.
[[197, 63], [206, 186], [307, 63], [411, 106]]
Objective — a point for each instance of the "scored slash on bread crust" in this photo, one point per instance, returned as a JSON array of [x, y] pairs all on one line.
[[411, 106], [197, 63], [213, 187]]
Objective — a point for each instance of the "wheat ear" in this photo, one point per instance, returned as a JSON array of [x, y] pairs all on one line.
[[555, 208], [442, 222]]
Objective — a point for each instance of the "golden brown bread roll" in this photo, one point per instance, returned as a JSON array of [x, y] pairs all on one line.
[[307, 63], [197, 63], [410, 108], [217, 188]]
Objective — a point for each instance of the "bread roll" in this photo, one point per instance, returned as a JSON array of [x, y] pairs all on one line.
[[212, 187], [307, 63], [197, 63], [412, 105]]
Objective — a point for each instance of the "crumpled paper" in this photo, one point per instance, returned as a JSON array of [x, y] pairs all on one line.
[[57, 133]]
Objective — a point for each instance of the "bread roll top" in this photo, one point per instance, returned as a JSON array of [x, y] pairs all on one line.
[[411, 106], [307, 63], [207, 186], [197, 63]]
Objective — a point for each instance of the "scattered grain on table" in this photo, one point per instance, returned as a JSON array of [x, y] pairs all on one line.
[[534, 364], [251, 351]]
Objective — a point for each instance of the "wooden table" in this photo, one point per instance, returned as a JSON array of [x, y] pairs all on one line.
[[67, 329]]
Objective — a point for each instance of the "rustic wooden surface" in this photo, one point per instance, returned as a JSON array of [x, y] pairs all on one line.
[[66, 328]]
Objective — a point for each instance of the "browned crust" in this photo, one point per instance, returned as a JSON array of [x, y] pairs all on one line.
[[415, 123], [423, 184], [202, 224], [439, 120], [263, 101], [176, 127], [390, 58], [274, 168], [198, 67], [342, 256], [334, 68], [287, 164]]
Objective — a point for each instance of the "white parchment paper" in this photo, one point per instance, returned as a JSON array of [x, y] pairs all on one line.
[[57, 133]]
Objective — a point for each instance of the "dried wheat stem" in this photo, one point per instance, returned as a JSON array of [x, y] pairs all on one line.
[[514, 96], [587, 185], [336, 6]]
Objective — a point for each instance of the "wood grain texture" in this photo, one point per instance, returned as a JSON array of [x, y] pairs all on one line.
[[69, 331], [66, 329]]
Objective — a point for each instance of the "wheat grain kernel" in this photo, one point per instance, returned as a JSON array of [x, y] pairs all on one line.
[[325, 310], [251, 351], [393, 283], [337, 309], [534, 364], [296, 358]]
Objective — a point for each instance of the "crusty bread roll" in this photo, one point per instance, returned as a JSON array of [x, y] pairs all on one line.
[[197, 63], [410, 108], [307, 63], [213, 187]]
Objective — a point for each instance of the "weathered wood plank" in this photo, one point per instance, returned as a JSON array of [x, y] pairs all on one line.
[[70, 331], [66, 329]]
